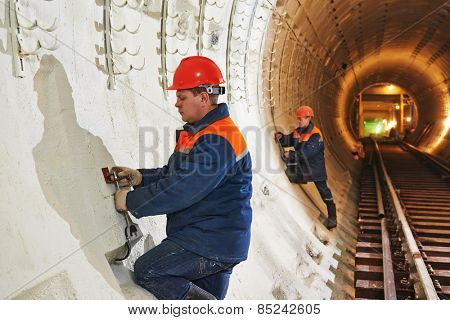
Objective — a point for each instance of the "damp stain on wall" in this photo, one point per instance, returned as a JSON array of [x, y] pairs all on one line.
[[68, 160]]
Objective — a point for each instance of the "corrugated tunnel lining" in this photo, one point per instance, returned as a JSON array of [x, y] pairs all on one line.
[[377, 41]]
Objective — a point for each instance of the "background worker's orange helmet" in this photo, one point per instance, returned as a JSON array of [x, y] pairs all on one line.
[[305, 111], [196, 71]]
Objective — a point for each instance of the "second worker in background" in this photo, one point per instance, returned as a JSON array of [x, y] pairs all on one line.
[[309, 157]]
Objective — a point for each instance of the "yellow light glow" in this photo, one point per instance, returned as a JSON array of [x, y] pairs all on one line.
[[384, 121], [408, 119], [397, 107], [391, 124], [438, 139], [390, 87], [378, 129], [447, 123]]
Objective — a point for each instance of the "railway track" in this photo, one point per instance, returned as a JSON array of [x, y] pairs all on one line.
[[403, 248]]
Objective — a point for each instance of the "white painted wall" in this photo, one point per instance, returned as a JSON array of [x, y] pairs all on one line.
[[61, 124]]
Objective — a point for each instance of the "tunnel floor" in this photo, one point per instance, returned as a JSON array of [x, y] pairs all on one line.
[[424, 194]]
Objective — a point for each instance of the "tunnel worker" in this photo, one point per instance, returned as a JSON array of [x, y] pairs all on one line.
[[309, 156], [358, 151], [204, 190], [393, 134]]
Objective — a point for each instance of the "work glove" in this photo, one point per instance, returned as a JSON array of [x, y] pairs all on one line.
[[278, 135], [120, 200], [127, 176]]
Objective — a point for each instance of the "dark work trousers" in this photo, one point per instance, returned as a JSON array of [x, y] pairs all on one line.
[[327, 197], [168, 271]]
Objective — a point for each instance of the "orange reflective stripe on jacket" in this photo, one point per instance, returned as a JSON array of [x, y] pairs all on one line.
[[306, 136], [225, 128]]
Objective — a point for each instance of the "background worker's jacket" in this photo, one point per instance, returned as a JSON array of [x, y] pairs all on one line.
[[309, 152], [205, 190]]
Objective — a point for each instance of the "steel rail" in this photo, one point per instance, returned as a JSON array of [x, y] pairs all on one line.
[[424, 278], [390, 292], [436, 162]]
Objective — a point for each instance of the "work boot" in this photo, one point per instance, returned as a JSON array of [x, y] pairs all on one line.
[[197, 293], [332, 220], [331, 223]]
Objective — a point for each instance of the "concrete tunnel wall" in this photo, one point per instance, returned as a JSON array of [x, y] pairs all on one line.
[[61, 124], [379, 42]]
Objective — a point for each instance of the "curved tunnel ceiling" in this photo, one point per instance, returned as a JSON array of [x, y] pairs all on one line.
[[324, 53]]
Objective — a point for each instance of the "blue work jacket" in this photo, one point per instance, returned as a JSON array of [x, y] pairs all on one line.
[[204, 190], [309, 152]]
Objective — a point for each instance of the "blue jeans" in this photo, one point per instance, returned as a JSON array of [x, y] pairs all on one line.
[[327, 197], [324, 191], [168, 272]]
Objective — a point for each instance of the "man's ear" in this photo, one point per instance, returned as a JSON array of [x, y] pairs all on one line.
[[204, 97]]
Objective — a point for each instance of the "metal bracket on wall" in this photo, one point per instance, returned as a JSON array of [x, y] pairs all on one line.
[[108, 49], [201, 21], [31, 30], [122, 21], [163, 48], [15, 33]]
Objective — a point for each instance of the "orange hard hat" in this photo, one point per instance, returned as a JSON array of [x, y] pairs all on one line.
[[305, 111], [197, 71]]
